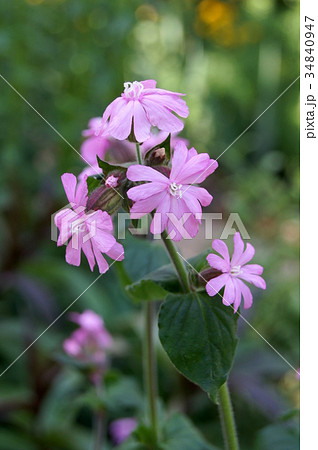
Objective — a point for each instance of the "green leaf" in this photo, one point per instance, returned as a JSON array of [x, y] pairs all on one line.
[[157, 284], [179, 433], [280, 436], [199, 335], [93, 183], [108, 168]]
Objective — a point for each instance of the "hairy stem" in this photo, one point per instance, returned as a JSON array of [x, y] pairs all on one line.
[[227, 419], [150, 366], [177, 261], [149, 355]]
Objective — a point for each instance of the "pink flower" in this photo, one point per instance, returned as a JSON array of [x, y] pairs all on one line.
[[141, 106], [234, 271], [90, 342], [177, 203], [87, 231], [94, 145], [121, 429]]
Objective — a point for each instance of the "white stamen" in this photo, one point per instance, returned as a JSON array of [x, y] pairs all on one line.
[[133, 90], [175, 189], [235, 271]]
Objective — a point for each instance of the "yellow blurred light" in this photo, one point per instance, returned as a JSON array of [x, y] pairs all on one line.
[[215, 12]]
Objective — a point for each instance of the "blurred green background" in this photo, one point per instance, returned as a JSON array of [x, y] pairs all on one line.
[[69, 59]]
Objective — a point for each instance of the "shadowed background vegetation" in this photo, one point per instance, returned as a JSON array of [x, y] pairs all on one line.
[[69, 59]]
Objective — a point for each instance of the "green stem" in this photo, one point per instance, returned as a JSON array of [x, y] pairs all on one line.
[[150, 354], [227, 419], [150, 366], [100, 418], [177, 261], [139, 159]]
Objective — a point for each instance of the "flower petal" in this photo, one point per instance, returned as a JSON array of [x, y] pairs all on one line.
[[216, 262], [238, 249], [255, 269], [88, 252], [81, 192], [247, 255], [73, 250], [145, 190], [149, 84], [101, 261], [161, 117], [197, 169], [92, 147], [247, 294], [178, 159], [251, 278], [221, 247], [145, 206], [69, 183], [229, 292], [116, 252], [119, 125], [204, 197], [160, 219], [214, 285], [141, 123], [137, 172], [172, 102]]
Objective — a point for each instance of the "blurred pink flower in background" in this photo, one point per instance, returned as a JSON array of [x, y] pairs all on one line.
[[121, 429], [177, 202], [141, 106], [234, 271], [94, 145], [87, 231], [90, 342]]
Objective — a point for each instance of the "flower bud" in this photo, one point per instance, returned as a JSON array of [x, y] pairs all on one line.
[[202, 278], [155, 156], [105, 199]]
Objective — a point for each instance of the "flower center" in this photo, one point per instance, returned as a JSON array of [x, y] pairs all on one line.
[[235, 271], [175, 189], [133, 90]]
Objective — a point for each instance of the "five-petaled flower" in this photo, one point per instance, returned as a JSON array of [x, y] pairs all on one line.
[[177, 202], [87, 231], [140, 107], [234, 272]]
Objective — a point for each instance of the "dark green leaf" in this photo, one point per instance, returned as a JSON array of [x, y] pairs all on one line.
[[199, 335], [109, 168], [278, 436], [93, 183], [179, 433], [157, 284]]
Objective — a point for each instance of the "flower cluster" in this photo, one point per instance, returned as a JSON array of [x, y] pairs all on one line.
[[90, 342], [163, 183]]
